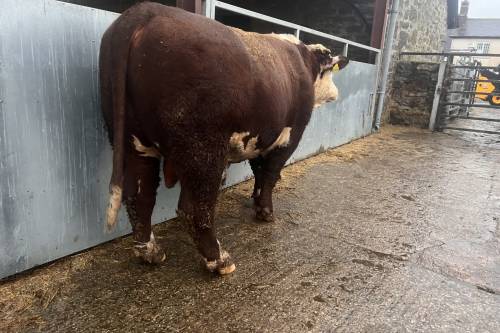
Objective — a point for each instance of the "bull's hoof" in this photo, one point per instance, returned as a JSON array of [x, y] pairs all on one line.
[[264, 214], [150, 252], [227, 270], [224, 265]]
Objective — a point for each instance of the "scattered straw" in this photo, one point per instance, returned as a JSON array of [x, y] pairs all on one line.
[[24, 298]]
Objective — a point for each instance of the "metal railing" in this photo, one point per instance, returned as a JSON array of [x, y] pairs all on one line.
[[212, 5], [447, 74]]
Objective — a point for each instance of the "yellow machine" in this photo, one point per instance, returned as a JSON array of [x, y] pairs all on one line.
[[488, 91]]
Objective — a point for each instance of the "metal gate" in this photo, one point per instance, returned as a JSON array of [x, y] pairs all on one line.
[[55, 160], [460, 93]]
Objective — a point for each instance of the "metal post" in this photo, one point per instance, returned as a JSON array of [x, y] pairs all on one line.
[[373, 102], [206, 6], [437, 94], [193, 6], [473, 87], [386, 61], [297, 33], [210, 8], [346, 50]]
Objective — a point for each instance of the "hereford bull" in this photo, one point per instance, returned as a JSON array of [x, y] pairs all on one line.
[[200, 95]]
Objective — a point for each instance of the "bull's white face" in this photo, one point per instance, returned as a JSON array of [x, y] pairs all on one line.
[[324, 89]]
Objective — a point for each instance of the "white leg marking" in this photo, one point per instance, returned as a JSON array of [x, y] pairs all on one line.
[[148, 251], [145, 151], [219, 264]]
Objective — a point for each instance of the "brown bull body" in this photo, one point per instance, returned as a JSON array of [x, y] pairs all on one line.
[[199, 95]]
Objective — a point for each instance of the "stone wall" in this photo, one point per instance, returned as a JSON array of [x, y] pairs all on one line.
[[412, 93], [421, 27]]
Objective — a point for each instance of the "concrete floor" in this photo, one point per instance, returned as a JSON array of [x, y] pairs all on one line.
[[398, 232]]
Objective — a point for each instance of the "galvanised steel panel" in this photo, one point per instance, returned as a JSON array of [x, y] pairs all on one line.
[[55, 160], [335, 123]]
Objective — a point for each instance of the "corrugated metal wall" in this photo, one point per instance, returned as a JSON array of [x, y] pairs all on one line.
[[55, 160]]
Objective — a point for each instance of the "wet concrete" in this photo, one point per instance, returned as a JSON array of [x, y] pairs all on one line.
[[393, 233]]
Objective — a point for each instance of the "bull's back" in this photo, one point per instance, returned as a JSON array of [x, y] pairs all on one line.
[[186, 70], [189, 69]]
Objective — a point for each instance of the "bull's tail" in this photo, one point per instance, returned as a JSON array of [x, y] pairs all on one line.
[[118, 93], [120, 48]]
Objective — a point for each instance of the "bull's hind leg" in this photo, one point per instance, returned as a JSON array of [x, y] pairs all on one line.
[[200, 180], [142, 167]]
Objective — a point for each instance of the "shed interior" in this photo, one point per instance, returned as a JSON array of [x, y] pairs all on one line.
[[349, 19], [116, 6]]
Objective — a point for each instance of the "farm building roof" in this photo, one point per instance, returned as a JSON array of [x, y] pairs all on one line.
[[477, 28]]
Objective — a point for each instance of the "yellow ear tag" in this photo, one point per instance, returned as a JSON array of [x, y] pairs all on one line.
[[336, 68]]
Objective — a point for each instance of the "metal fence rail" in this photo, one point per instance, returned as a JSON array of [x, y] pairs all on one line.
[[55, 160], [213, 4], [444, 107], [450, 54]]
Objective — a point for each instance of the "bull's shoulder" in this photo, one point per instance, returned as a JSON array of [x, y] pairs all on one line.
[[255, 40], [268, 48]]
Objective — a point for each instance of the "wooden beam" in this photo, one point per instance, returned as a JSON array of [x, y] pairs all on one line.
[[378, 26], [193, 6]]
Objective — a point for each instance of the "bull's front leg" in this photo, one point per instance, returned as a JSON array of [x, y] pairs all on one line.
[[256, 164], [265, 180], [267, 173], [263, 202]]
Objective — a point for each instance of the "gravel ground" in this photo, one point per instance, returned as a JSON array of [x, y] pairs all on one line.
[[397, 232]]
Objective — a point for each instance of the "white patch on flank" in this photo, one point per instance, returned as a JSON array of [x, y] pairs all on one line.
[[286, 37], [145, 151], [324, 89], [115, 201], [238, 151], [282, 141]]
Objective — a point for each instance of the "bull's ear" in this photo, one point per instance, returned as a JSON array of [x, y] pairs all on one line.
[[339, 62]]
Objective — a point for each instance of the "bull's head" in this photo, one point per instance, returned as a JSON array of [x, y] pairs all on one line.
[[324, 88]]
